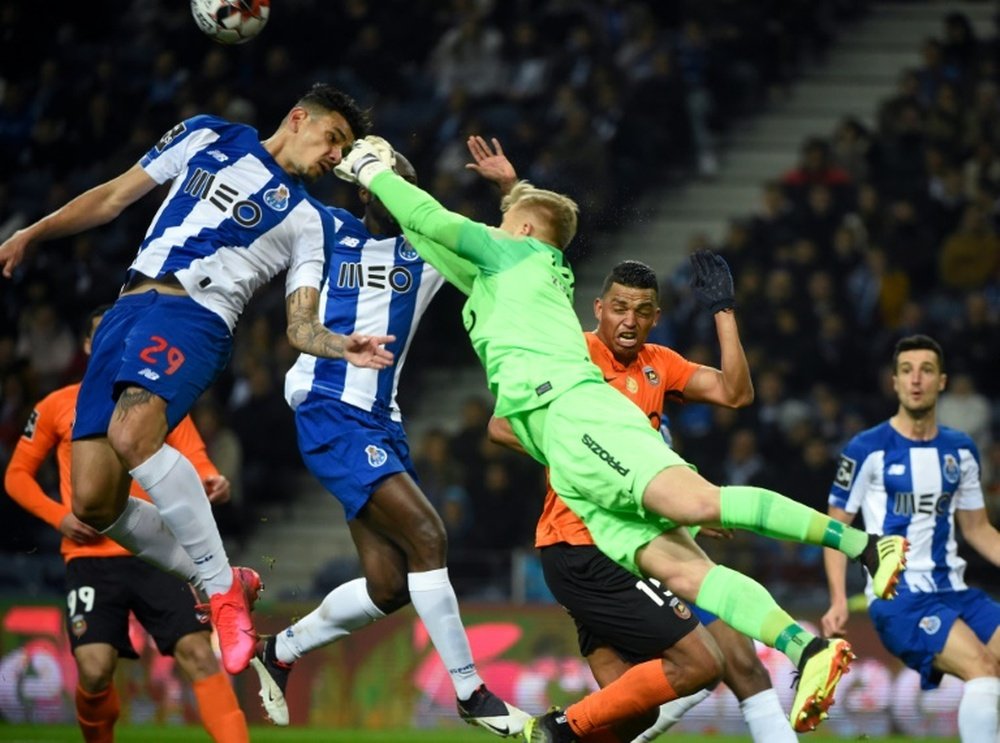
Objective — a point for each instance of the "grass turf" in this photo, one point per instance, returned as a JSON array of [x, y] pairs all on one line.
[[190, 734]]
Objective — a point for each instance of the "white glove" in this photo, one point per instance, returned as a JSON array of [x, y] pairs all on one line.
[[368, 157]]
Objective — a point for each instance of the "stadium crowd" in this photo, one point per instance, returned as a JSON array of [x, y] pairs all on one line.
[[882, 230]]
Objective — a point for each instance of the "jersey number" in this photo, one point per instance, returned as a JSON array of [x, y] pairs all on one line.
[[83, 594], [174, 355], [653, 588]]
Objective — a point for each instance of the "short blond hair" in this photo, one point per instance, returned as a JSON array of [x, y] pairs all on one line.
[[560, 211]]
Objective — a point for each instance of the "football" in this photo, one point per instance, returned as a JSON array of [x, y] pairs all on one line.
[[231, 21]]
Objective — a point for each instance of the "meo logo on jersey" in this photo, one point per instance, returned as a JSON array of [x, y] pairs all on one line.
[[376, 456], [203, 185], [930, 625]]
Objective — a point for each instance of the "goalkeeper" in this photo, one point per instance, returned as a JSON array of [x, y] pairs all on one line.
[[606, 462]]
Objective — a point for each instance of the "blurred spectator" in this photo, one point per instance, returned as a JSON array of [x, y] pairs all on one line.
[[225, 450], [970, 256], [963, 407], [442, 481]]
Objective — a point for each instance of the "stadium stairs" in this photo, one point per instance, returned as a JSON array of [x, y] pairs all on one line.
[[859, 71]]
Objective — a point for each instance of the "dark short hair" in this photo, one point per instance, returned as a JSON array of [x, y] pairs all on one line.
[[633, 274], [917, 343], [87, 326], [328, 98]]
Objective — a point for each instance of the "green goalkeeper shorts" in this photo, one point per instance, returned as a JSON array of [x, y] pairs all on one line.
[[602, 453]]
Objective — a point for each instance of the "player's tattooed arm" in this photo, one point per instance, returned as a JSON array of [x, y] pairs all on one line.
[[307, 334]]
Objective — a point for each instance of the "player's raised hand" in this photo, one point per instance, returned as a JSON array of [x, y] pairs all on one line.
[[491, 163], [368, 351], [72, 528], [12, 252], [368, 157], [217, 489], [712, 281]]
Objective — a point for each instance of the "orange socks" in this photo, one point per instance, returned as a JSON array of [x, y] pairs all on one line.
[[96, 714], [220, 712], [640, 688]]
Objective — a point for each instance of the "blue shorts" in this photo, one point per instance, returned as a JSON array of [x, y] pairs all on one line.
[[705, 617], [914, 626], [351, 451], [167, 344]]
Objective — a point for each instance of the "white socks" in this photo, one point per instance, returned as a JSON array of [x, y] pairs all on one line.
[[762, 712], [349, 607], [436, 605], [346, 608], [141, 530], [671, 713], [766, 719], [175, 487], [977, 712]]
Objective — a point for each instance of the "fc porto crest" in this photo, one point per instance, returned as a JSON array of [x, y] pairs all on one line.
[[930, 624], [651, 376], [406, 251], [951, 469], [277, 198], [376, 456]]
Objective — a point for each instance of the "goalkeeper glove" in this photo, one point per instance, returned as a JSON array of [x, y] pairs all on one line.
[[368, 157], [712, 282]]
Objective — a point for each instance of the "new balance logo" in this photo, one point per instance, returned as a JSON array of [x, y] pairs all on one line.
[[149, 374], [896, 469]]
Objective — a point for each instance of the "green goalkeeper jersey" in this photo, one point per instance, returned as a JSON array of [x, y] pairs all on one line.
[[519, 314]]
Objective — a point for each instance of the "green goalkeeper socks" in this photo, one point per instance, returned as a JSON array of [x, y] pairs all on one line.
[[774, 515], [745, 605]]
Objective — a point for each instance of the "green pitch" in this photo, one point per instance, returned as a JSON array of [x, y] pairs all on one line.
[[174, 734]]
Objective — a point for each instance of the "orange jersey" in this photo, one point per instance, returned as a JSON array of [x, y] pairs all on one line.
[[51, 427], [656, 372]]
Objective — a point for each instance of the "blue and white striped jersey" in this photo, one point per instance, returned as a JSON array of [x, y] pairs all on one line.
[[912, 488], [375, 286], [233, 218]]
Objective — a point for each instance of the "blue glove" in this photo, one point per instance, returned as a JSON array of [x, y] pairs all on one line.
[[712, 282]]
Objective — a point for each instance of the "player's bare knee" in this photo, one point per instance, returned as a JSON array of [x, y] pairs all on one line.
[[387, 594], [427, 545], [94, 512], [132, 444], [986, 664], [195, 656], [694, 663], [95, 672]]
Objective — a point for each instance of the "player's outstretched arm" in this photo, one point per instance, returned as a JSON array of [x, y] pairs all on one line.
[[731, 385], [491, 163], [834, 622], [980, 533], [307, 334], [95, 207]]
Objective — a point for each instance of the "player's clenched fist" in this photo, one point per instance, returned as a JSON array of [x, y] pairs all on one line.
[[368, 157]]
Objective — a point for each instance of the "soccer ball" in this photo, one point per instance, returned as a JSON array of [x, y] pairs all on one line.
[[231, 21]]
